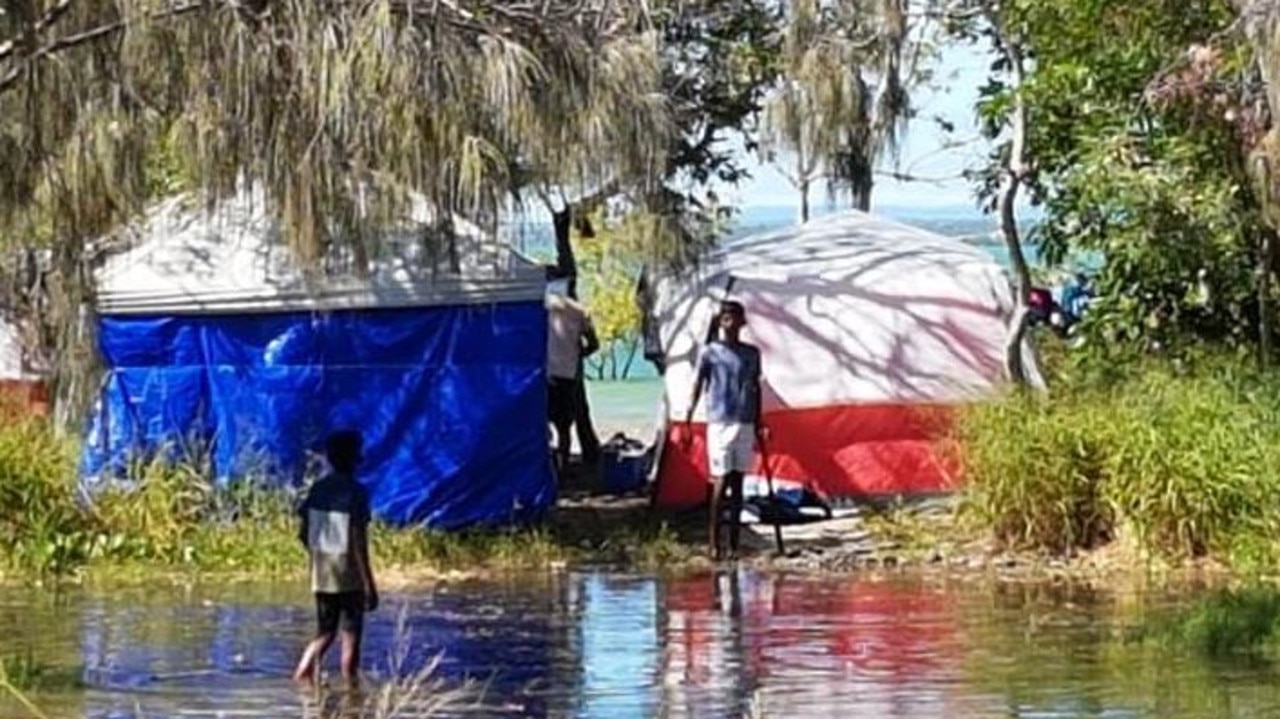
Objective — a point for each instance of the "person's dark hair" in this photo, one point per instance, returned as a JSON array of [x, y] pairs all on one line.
[[343, 449], [733, 307]]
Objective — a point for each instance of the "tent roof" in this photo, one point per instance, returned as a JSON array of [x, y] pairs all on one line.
[[184, 257], [834, 244], [849, 308]]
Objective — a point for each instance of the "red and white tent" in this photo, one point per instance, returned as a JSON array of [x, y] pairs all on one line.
[[871, 333], [23, 390]]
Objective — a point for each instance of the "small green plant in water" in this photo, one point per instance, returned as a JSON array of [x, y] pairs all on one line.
[[1228, 623], [25, 672]]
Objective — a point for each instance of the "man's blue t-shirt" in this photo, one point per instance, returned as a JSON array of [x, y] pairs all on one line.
[[732, 375]]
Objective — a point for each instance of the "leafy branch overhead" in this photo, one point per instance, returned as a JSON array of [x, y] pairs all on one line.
[[1138, 124], [463, 101], [842, 102]]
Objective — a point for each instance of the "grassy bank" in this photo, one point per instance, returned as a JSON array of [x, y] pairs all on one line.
[[1163, 464], [174, 519], [1173, 463]]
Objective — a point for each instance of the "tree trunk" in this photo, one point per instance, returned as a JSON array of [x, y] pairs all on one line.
[[1015, 172], [858, 168], [566, 264], [803, 186], [1265, 263], [860, 194], [633, 346], [74, 366]]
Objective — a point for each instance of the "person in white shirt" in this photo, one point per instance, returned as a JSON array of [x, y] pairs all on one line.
[[570, 338]]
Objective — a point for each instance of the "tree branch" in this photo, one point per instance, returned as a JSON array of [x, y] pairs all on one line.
[[1015, 173], [592, 200], [1184, 59], [8, 47], [70, 41], [492, 18], [910, 177]]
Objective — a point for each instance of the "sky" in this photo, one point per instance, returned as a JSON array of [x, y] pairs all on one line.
[[961, 71]]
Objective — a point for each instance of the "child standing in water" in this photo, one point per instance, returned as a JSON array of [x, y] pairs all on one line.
[[334, 527]]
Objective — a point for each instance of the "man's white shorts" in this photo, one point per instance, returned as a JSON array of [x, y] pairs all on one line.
[[731, 447]]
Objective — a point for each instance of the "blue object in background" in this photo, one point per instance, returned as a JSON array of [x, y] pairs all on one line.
[[623, 469], [451, 401]]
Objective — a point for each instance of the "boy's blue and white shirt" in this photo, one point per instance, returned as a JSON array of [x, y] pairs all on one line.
[[334, 508]]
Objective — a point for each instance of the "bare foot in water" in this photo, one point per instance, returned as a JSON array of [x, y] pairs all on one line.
[[305, 676]]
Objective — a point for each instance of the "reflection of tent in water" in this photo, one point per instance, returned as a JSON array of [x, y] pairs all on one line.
[[211, 334], [870, 331], [800, 647]]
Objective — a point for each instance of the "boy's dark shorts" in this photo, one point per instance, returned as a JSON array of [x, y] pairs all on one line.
[[344, 610]]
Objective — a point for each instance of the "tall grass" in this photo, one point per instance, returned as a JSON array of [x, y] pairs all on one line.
[[171, 516], [16, 683], [1185, 460], [41, 523]]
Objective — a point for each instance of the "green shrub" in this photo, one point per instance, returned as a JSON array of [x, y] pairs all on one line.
[[41, 523], [26, 673], [1185, 458], [1034, 472], [1197, 466]]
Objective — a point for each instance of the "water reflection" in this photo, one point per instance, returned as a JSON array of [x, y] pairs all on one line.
[[720, 644], [749, 642]]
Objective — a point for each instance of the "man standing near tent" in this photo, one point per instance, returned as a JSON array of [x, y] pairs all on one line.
[[729, 371], [570, 339]]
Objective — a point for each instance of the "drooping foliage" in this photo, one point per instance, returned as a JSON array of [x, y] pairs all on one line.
[[104, 105], [460, 101], [842, 101], [1139, 160]]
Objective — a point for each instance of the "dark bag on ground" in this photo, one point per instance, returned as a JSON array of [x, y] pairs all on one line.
[[789, 506]]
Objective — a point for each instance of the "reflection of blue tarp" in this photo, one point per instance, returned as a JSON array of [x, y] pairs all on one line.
[[212, 660], [451, 401]]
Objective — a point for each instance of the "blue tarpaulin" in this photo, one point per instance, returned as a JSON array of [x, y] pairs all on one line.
[[451, 401]]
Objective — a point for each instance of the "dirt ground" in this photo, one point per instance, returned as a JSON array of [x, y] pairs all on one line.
[[920, 535], [847, 539]]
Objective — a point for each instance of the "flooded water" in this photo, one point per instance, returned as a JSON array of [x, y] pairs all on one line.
[[588, 644]]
